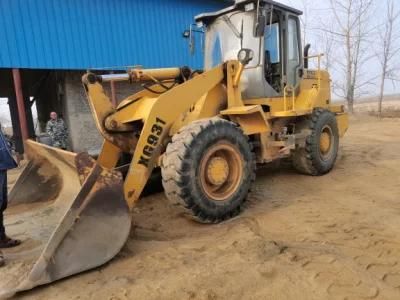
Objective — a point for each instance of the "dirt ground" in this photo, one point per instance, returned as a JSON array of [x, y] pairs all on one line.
[[330, 237]]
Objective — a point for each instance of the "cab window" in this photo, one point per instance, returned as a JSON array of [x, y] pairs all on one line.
[[272, 42], [293, 50], [293, 53], [272, 56]]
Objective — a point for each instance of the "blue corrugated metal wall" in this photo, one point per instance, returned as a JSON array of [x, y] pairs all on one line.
[[78, 34]]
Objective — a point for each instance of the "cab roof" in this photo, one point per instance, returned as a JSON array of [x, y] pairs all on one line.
[[207, 18]]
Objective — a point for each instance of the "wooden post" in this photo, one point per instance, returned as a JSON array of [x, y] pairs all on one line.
[[20, 104]]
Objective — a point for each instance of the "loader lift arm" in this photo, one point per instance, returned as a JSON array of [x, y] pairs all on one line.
[[157, 113], [157, 117]]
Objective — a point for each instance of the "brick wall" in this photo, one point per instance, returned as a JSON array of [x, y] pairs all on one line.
[[84, 135]]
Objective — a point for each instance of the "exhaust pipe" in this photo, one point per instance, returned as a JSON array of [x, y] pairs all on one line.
[[306, 50]]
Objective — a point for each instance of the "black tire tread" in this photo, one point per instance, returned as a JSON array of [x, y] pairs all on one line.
[[175, 160], [303, 158]]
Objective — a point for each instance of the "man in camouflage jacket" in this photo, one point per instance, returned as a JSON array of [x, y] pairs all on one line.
[[57, 130]]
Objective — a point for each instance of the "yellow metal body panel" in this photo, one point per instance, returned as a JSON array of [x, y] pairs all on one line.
[[208, 106], [159, 120], [241, 110], [343, 123], [156, 115], [337, 109], [251, 118], [144, 122], [138, 74], [139, 95], [138, 110], [233, 88], [109, 155], [308, 96], [290, 113]]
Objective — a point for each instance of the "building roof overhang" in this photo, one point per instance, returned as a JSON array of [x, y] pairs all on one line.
[[207, 18]]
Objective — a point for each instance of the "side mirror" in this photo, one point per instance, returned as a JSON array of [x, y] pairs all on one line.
[[245, 56], [186, 34], [190, 35]]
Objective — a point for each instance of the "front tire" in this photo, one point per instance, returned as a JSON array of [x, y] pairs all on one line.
[[208, 169], [318, 155]]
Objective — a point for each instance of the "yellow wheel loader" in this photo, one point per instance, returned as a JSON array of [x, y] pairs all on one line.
[[256, 101]]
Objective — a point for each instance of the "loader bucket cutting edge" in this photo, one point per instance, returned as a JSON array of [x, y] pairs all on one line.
[[66, 227]]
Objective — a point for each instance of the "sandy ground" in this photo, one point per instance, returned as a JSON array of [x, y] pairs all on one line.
[[331, 237], [390, 108]]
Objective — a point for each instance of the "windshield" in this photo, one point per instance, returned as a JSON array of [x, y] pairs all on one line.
[[219, 40], [223, 38]]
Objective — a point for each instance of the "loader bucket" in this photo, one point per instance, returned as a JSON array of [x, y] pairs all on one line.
[[70, 215]]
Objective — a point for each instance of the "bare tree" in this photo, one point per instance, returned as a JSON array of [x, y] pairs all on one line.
[[305, 19], [389, 49], [312, 33], [352, 29], [325, 43]]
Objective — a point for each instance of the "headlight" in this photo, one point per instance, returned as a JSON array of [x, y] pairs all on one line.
[[245, 56]]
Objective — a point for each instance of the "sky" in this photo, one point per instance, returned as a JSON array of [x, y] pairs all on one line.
[[5, 119], [4, 113], [319, 11]]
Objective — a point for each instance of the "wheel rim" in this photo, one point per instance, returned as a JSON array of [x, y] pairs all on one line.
[[326, 142], [221, 170]]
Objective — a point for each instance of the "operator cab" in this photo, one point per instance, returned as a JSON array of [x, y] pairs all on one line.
[[271, 30]]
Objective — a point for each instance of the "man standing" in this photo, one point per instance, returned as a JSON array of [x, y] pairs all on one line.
[[57, 131], [6, 162]]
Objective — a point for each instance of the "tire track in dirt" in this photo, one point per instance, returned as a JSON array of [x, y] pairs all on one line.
[[353, 274], [368, 262], [330, 237]]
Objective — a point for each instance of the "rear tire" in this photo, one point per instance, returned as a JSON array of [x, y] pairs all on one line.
[[319, 154], [208, 169]]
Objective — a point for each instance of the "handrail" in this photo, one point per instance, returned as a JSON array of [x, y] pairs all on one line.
[[285, 90], [293, 88], [284, 98], [318, 56]]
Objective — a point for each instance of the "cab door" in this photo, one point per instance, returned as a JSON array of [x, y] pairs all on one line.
[[293, 52]]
